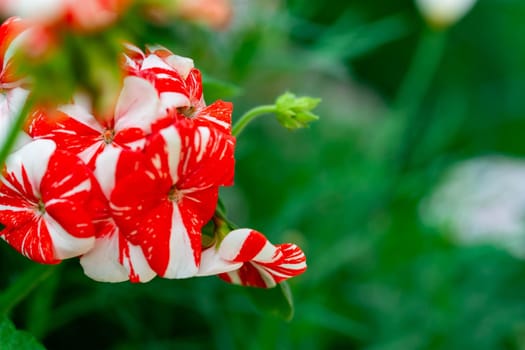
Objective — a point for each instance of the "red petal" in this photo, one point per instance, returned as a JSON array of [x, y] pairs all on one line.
[[248, 276], [33, 241], [218, 115], [68, 132], [207, 157]]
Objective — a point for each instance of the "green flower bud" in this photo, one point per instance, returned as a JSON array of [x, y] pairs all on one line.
[[295, 112]]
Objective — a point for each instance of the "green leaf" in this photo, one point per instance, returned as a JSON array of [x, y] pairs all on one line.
[[276, 301], [12, 339], [215, 89]]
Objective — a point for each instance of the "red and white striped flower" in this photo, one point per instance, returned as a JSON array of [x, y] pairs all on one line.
[[74, 128], [178, 82], [165, 201], [179, 85], [48, 201], [246, 257]]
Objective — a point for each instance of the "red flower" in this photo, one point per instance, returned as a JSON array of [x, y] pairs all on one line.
[[247, 258], [48, 200], [163, 199]]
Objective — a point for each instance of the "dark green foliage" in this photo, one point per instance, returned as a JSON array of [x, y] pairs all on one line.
[[11, 339]]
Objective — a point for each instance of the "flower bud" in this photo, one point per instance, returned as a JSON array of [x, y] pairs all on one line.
[[444, 13], [295, 112]]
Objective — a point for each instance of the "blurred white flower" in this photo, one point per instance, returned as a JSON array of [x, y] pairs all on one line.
[[481, 201], [41, 10], [443, 13]]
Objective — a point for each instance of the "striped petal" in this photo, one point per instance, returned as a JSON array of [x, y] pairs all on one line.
[[114, 258], [217, 115], [47, 201], [10, 36], [207, 157], [137, 106], [263, 264], [177, 82], [75, 129], [175, 192], [72, 128]]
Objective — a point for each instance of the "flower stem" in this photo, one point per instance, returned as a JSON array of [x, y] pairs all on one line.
[[18, 290], [414, 87], [251, 115], [15, 129]]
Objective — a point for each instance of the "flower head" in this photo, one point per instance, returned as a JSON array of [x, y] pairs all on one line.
[[175, 180], [48, 201]]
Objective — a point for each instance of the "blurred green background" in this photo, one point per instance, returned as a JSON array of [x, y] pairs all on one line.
[[402, 105]]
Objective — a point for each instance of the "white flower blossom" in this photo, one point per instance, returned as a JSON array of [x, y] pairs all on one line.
[[481, 201], [444, 13]]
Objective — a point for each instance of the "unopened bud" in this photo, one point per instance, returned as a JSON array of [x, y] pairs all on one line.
[[295, 112], [444, 13]]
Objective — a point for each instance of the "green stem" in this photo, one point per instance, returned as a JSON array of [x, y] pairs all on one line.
[[15, 129], [421, 71], [414, 88], [18, 290], [251, 115]]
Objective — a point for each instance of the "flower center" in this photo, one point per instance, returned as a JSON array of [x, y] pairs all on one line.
[[108, 135], [187, 111], [40, 207], [175, 195]]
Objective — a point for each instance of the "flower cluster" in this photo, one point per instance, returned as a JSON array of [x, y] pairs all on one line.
[[129, 191]]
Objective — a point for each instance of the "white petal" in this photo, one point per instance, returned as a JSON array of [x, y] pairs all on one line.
[[137, 261], [267, 253], [102, 262], [154, 61], [105, 169], [183, 65], [182, 260], [213, 264], [34, 158], [80, 113], [233, 242], [137, 106], [170, 100], [66, 246], [173, 149]]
